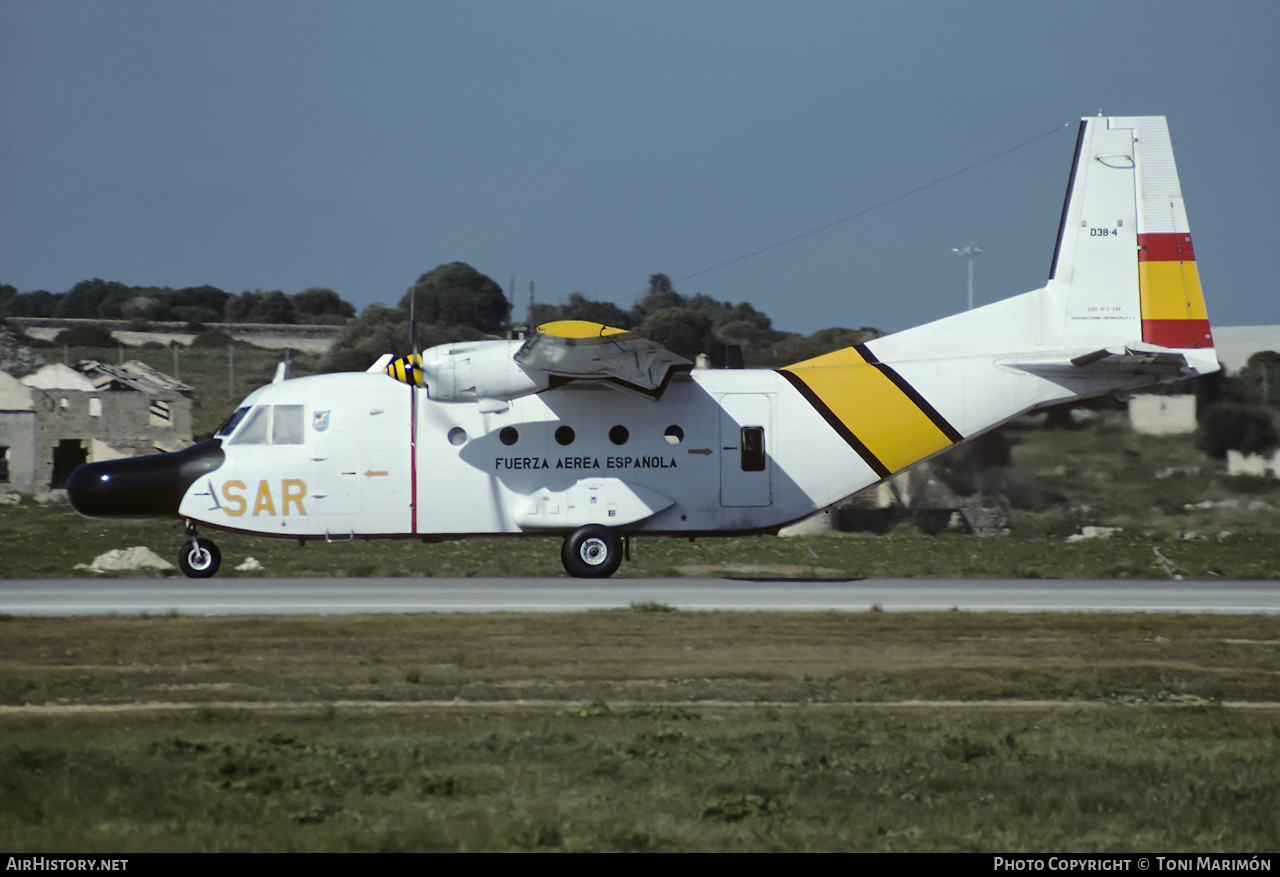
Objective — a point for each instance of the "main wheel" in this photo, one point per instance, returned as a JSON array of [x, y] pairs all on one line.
[[199, 559], [592, 552]]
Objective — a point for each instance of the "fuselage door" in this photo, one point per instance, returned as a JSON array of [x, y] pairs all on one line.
[[337, 476], [746, 470]]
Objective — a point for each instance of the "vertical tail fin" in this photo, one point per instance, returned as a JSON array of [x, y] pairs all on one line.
[[1123, 274], [1124, 247]]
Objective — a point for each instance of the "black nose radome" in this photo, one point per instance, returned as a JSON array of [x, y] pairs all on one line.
[[147, 486]]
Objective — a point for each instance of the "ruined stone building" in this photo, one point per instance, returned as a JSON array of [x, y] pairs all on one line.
[[59, 417]]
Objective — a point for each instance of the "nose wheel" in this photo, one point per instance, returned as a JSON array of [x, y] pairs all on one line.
[[199, 558], [592, 552]]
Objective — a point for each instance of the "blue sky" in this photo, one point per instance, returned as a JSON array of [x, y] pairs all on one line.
[[587, 145]]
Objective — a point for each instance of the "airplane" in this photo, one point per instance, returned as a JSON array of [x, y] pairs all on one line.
[[596, 435]]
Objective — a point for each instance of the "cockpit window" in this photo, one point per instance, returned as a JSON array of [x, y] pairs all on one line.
[[232, 422], [262, 427], [255, 431], [287, 426]]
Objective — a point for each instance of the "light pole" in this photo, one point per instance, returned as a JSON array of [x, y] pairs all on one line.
[[969, 253]]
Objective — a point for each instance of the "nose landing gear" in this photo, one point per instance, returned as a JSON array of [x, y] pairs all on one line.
[[199, 558]]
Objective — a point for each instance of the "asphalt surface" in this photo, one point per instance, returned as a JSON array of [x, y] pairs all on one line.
[[339, 596]]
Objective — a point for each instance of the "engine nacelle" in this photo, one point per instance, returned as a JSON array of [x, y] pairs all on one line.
[[474, 370]]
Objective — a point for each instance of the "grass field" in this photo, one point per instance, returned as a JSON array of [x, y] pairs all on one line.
[[641, 731]]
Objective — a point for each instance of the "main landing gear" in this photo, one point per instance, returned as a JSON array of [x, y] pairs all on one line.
[[592, 552], [198, 558]]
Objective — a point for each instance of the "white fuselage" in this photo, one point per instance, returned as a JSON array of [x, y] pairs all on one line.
[[588, 453]]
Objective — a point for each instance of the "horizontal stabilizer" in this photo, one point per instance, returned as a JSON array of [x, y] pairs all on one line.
[[1137, 360]]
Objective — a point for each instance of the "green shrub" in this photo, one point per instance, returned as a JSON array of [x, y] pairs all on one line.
[[85, 336], [213, 339], [1230, 426]]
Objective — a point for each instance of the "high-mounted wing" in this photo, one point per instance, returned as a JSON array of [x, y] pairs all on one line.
[[570, 350], [557, 354]]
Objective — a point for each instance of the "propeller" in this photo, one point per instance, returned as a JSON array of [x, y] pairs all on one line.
[[413, 369]]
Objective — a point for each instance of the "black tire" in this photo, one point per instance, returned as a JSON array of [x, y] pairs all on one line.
[[592, 552], [199, 560]]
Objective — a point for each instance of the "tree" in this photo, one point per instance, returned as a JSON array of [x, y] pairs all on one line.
[[143, 307], [260, 307], [659, 295], [320, 305], [380, 330], [458, 295], [376, 331], [110, 306], [680, 330], [739, 324], [195, 304], [579, 307], [86, 299], [40, 303], [1259, 381], [1230, 426]]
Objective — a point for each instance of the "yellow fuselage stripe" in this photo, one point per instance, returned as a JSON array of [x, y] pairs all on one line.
[[872, 407]]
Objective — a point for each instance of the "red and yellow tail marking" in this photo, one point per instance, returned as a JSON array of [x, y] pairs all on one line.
[[1173, 313], [872, 407]]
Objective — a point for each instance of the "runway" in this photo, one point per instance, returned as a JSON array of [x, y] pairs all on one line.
[[342, 596]]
